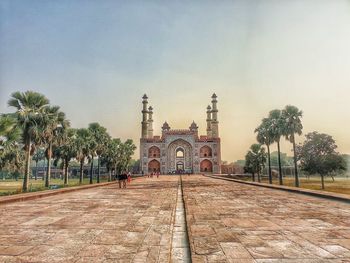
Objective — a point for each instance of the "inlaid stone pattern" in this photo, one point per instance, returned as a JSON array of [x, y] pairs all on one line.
[[232, 222], [103, 224]]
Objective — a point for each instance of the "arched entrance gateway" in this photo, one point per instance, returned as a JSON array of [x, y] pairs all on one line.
[[180, 150], [180, 157], [154, 166]]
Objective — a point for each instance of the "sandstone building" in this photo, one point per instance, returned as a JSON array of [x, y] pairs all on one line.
[[180, 150]]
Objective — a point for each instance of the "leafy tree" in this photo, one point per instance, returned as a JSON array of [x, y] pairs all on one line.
[[111, 156], [255, 160], [317, 155], [9, 137], [292, 125], [30, 112], [127, 150], [266, 136]]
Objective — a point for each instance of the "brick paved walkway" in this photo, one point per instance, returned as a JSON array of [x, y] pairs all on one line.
[[227, 222], [104, 224], [232, 222]]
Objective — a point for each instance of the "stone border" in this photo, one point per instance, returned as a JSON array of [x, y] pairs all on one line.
[[40, 194], [327, 195]]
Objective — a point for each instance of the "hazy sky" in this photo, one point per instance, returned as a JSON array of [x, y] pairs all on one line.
[[97, 58]]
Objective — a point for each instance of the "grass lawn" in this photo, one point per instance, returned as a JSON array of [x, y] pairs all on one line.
[[340, 185], [8, 187]]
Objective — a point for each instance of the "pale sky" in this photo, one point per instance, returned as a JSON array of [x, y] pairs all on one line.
[[96, 59]]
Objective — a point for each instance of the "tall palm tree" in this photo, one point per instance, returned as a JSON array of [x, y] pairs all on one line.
[[100, 137], [265, 136], [66, 151], [110, 157], [291, 116], [276, 127], [30, 110], [52, 132], [82, 149], [11, 154]]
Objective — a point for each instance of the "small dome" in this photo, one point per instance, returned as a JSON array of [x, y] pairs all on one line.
[[150, 108], [214, 96], [165, 126], [208, 108], [193, 126], [145, 97]]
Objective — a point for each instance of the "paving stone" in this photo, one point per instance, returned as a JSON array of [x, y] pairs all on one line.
[[102, 224], [255, 224]]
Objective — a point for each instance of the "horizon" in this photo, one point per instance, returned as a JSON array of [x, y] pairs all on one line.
[[96, 59]]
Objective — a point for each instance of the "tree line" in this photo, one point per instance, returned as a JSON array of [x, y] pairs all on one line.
[[316, 155], [38, 126]]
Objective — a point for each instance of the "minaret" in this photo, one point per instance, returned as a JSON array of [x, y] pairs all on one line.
[[144, 117], [214, 121], [150, 122], [209, 133]]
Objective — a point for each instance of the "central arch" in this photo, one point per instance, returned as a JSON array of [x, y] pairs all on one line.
[[179, 157], [206, 166], [154, 166]]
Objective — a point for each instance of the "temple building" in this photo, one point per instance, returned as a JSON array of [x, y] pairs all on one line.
[[180, 150]]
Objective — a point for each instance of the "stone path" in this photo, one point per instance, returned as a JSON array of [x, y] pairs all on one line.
[[232, 222], [227, 222], [104, 224]]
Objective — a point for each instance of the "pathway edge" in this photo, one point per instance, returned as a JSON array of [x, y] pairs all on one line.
[[326, 195], [45, 193]]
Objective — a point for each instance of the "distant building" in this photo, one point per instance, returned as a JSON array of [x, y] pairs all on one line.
[[180, 150]]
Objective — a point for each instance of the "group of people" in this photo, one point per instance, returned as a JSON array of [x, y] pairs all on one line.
[[123, 178], [153, 174]]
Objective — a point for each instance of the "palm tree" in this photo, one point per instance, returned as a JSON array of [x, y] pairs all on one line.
[[11, 154], [82, 149], [292, 125], [30, 107], [37, 157], [265, 136], [66, 151], [276, 127], [100, 137], [52, 132], [110, 156]]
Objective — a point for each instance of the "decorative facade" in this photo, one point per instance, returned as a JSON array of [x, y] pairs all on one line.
[[180, 150]]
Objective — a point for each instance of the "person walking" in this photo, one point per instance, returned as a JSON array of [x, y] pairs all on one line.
[[124, 178], [129, 177], [120, 179]]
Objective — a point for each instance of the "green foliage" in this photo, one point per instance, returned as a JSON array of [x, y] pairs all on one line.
[[30, 114], [292, 125], [317, 155], [255, 159], [36, 125]]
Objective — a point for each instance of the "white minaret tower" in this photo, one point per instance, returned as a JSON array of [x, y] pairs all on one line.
[[144, 117], [214, 121], [209, 133], [150, 122]]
